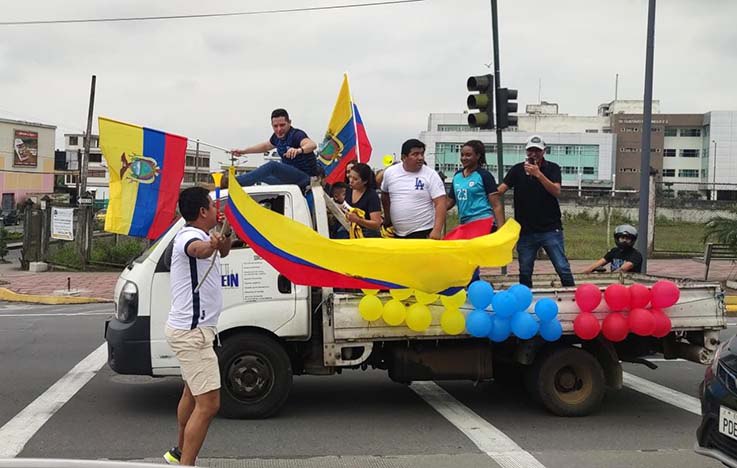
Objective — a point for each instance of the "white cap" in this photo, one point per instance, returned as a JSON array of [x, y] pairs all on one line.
[[535, 142]]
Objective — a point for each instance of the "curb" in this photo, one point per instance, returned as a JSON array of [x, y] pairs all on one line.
[[12, 296]]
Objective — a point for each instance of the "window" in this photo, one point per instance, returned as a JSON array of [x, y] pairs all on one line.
[[592, 130], [589, 170], [94, 142], [73, 141], [99, 174], [669, 153], [569, 170], [629, 150], [689, 153], [655, 129], [456, 128], [669, 172], [703, 173], [671, 132], [631, 129], [95, 157], [606, 130], [690, 132], [569, 150], [628, 169], [689, 173]]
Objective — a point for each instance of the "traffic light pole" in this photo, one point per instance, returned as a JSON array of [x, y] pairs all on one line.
[[497, 80]]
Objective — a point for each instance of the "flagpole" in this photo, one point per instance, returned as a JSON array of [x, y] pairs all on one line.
[[209, 144], [353, 115]]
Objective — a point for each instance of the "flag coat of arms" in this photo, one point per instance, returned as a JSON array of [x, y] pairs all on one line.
[[345, 139], [146, 170]]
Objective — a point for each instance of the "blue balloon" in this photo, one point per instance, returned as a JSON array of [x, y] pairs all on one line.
[[500, 329], [504, 304], [524, 326], [551, 330], [546, 309], [480, 294], [478, 323], [523, 294]]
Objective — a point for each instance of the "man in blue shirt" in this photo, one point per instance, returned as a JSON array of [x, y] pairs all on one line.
[[296, 150]]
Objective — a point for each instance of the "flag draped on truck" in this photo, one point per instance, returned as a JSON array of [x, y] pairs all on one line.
[[308, 258], [146, 169]]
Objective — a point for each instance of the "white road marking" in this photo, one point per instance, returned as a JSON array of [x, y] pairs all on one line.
[[16, 433], [665, 394], [487, 438]]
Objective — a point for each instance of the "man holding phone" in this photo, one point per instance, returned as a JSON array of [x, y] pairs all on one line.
[[536, 183]]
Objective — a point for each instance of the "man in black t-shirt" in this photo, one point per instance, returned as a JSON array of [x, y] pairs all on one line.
[[536, 183], [296, 150], [624, 257]]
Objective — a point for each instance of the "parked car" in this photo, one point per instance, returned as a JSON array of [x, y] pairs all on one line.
[[717, 434], [8, 217]]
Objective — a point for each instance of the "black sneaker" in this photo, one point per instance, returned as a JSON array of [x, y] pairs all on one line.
[[173, 456]]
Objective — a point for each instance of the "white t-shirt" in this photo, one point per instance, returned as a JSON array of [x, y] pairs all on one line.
[[190, 310], [411, 195]]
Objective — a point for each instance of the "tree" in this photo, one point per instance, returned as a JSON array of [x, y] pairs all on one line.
[[3, 244], [722, 230]]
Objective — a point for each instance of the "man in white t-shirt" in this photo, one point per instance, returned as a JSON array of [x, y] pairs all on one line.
[[413, 196], [193, 317]]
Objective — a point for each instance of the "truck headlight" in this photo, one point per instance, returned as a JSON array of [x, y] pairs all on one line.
[[127, 309]]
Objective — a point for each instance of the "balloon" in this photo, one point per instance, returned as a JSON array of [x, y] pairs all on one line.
[[504, 304], [615, 327], [370, 308], [617, 297], [394, 312], [546, 309], [418, 317], [478, 323], [523, 295], [425, 298], [551, 330], [641, 322], [387, 160], [454, 301], [586, 326], [663, 324], [400, 294], [370, 292], [524, 326], [480, 294], [639, 296], [501, 328], [588, 297], [453, 322], [665, 294]]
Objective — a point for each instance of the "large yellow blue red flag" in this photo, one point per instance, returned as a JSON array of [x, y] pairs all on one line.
[[146, 170], [345, 139]]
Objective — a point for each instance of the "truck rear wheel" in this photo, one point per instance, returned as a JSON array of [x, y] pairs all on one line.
[[567, 381], [255, 375]]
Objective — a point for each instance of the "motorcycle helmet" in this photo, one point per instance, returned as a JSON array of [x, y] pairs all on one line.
[[625, 231]]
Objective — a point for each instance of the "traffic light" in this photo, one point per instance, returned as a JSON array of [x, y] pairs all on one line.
[[505, 106], [484, 101]]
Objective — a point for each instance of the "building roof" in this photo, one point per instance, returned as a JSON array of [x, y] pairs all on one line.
[[26, 123]]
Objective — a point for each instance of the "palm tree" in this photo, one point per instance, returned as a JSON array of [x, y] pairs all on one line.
[[722, 230]]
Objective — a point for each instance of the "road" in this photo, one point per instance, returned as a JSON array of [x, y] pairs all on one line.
[[354, 419]]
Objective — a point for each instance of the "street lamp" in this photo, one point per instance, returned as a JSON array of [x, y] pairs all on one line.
[[714, 171]]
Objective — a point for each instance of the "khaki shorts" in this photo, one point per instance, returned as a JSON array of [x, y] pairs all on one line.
[[196, 356]]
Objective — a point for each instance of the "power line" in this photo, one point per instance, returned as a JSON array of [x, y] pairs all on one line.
[[205, 15]]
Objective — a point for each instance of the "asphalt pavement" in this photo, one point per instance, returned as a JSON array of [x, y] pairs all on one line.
[[354, 419]]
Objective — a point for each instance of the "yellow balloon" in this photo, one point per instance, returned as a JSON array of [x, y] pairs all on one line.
[[370, 308], [400, 294], [418, 317], [425, 298], [370, 292], [388, 160], [454, 301], [452, 322], [394, 313]]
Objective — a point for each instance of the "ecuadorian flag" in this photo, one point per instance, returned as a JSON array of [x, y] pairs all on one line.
[[146, 170]]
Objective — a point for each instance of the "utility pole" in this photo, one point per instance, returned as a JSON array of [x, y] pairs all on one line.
[[642, 239], [497, 81], [87, 138]]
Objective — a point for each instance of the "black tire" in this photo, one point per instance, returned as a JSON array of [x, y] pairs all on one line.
[[255, 376], [567, 381]]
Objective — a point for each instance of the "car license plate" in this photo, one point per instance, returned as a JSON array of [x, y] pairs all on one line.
[[728, 422]]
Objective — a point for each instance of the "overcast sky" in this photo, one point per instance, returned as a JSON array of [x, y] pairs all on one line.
[[219, 78]]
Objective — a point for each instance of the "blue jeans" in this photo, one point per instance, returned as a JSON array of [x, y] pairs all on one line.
[[275, 173], [552, 242]]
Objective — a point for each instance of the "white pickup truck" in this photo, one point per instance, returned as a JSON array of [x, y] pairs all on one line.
[[271, 330]]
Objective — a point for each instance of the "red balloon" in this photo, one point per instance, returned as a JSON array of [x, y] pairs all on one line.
[[617, 297], [641, 322], [586, 326], [663, 324], [665, 294], [615, 327], [639, 296], [588, 296]]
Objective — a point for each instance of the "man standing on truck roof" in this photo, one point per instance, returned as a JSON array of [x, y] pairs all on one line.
[[296, 150], [413, 196], [536, 183], [193, 317]]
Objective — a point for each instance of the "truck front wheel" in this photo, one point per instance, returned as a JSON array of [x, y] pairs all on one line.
[[255, 375], [567, 381]]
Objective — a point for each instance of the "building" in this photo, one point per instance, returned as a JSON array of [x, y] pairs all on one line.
[[26, 160], [586, 158]]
